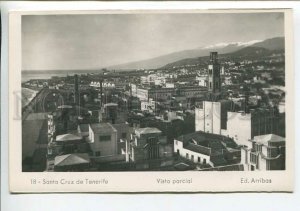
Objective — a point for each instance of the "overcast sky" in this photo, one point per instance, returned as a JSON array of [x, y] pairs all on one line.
[[57, 42]]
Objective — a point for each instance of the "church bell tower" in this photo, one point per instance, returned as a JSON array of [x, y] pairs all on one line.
[[214, 78]]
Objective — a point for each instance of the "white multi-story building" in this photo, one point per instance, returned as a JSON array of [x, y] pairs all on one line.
[[227, 80], [147, 144], [160, 81], [170, 85], [104, 84], [211, 117], [267, 152], [148, 105], [216, 118], [103, 140], [202, 80]]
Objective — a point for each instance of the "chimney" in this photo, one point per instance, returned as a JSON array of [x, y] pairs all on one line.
[[101, 92]]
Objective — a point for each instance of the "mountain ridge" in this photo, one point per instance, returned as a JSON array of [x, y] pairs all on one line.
[[161, 61]]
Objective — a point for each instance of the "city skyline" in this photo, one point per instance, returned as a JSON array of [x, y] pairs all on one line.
[[67, 42], [172, 112], [181, 118]]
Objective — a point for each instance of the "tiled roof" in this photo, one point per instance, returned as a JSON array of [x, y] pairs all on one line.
[[218, 160], [204, 139], [71, 159], [147, 130], [68, 137], [206, 143], [198, 148]]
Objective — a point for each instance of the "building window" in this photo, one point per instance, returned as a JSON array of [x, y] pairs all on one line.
[[210, 85], [199, 159], [201, 105], [49, 151], [269, 152], [104, 138], [178, 152], [124, 135], [187, 156], [192, 157], [97, 153], [253, 158], [260, 148], [153, 148]]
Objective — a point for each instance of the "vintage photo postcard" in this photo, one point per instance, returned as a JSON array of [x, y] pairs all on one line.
[[151, 101]]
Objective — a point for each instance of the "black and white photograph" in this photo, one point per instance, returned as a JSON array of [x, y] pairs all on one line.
[[182, 105], [161, 91]]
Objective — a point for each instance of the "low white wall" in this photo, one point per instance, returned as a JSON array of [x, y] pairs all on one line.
[[178, 145]]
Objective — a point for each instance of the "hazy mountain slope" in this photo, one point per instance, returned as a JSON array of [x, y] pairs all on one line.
[[254, 51], [251, 51], [223, 48], [276, 43], [162, 60]]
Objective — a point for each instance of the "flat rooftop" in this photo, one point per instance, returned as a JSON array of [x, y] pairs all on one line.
[[265, 139]]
